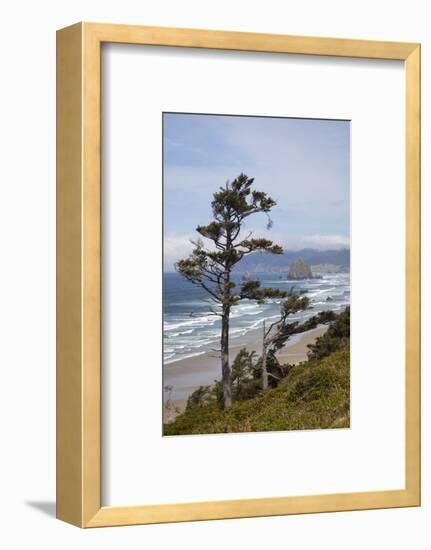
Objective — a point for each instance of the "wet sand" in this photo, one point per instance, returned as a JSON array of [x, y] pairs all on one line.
[[188, 374]]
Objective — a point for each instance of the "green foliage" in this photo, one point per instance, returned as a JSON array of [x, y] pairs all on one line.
[[205, 395], [337, 335], [252, 290], [276, 371], [246, 378], [263, 245], [201, 396], [316, 394], [210, 268], [280, 331], [243, 375], [217, 394], [321, 318]]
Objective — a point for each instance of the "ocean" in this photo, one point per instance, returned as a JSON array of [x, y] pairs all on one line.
[[189, 329]]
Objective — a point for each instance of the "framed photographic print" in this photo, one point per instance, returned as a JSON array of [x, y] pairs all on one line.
[[238, 275], [239, 311]]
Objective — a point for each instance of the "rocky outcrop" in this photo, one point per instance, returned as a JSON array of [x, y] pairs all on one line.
[[299, 270]]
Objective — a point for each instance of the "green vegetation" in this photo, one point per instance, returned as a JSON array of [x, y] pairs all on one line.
[[337, 335], [314, 394]]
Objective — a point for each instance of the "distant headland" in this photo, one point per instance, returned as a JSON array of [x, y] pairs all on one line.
[[318, 261]]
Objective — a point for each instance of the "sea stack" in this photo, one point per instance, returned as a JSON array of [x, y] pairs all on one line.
[[299, 270]]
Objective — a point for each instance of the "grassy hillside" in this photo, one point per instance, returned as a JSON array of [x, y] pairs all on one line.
[[314, 395]]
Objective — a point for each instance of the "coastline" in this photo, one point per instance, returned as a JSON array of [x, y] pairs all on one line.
[[186, 375]]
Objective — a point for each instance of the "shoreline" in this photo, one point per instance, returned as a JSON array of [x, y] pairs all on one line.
[[186, 375]]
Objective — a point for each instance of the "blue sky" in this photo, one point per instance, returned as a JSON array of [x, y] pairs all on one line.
[[304, 164]]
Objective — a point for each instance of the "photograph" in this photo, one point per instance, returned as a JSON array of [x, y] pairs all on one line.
[[256, 274]]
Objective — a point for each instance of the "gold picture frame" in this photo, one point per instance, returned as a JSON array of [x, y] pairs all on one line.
[[79, 274]]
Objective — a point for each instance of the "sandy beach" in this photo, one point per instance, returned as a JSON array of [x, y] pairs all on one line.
[[188, 374]]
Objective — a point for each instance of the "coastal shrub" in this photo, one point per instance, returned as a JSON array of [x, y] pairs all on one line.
[[315, 395], [201, 396], [321, 318], [276, 370], [245, 377], [246, 370], [337, 335], [217, 393], [247, 374]]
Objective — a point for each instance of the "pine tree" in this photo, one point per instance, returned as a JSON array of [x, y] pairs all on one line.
[[211, 268], [278, 332]]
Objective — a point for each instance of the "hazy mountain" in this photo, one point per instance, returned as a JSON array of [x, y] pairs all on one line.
[[326, 260]]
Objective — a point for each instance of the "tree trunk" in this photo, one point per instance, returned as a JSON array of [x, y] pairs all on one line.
[[225, 368], [264, 370]]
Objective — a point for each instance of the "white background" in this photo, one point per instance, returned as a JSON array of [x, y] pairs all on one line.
[[27, 218], [141, 467]]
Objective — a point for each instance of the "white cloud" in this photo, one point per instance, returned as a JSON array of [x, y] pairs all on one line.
[[317, 242], [324, 242], [176, 247]]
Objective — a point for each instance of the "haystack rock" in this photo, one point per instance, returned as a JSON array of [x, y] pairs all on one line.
[[299, 270]]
